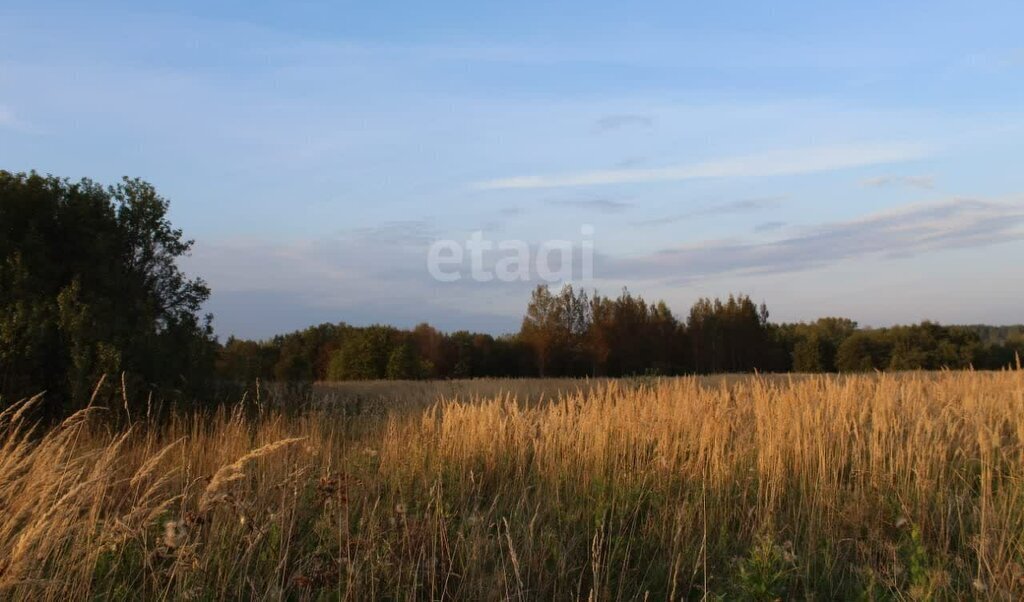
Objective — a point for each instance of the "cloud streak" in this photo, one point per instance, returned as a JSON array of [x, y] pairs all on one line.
[[768, 164], [953, 224], [730, 208], [926, 182], [769, 226], [380, 274], [599, 205], [619, 121]]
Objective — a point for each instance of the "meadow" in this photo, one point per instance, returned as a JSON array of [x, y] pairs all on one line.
[[882, 486]]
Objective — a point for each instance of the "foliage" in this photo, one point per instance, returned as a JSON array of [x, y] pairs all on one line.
[[90, 285], [817, 344], [764, 574], [402, 363], [575, 333], [863, 352]]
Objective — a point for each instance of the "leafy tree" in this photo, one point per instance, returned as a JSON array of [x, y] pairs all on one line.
[[246, 361], [730, 336], [930, 346], [402, 363], [809, 354], [1006, 354], [540, 330], [429, 344], [364, 355], [294, 362], [862, 351], [90, 285], [815, 344], [337, 369]]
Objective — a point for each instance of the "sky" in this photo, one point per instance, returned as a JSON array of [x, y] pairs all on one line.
[[860, 159]]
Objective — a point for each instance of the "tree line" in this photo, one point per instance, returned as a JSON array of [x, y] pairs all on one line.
[[574, 333], [90, 289]]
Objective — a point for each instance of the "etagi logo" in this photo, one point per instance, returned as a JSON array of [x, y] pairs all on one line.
[[512, 260]]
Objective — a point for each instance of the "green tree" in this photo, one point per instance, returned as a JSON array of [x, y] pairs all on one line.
[[863, 351], [403, 363], [90, 284], [246, 361], [729, 336], [540, 327], [364, 355], [809, 354]]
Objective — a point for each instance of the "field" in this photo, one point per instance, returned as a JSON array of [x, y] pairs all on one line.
[[904, 486]]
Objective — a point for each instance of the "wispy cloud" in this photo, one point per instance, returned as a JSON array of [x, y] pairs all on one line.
[[623, 120], [413, 232], [741, 206], [769, 226], [630, 162], [926, 182], [729, 208], [957, 223], [774, 163], [599, 205]]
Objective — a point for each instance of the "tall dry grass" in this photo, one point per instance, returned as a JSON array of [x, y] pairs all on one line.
[[878, 487]]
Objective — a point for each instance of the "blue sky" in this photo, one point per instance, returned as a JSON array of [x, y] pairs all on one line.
[[860, 160]]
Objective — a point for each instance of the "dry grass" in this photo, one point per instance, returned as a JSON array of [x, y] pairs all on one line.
[[880, 487]]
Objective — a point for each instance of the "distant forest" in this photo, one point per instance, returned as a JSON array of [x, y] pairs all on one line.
[[575, 333], [91, 291]]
